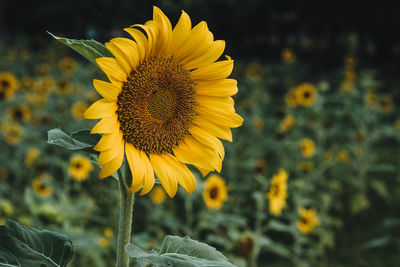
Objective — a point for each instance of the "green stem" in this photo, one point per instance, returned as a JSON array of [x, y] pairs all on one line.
[[125, 220]]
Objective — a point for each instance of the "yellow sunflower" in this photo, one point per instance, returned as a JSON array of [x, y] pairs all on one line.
[[287, 123], [307, 221], [8, 85], [288, 55], [31, 156], [40, 185], [78, 109], [342, 156], [108, 232], [79, 168], [215, 192], [386, 103], [63, 87], [166, 104], [291, 98], [19, 113], [371, 98], [157, 195], [67, 66], [278, 192], [307, 147], [12, 132], [306, 94]]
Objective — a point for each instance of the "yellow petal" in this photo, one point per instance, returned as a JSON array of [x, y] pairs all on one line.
[[207, 139], [221, 88], [184, 176], [191, 151], [214, 129], [107, 90], [111, 68], [212, 54], [215, 71], [165, 31], [151, 30], [196, 39], [165, 174], [125, 51], [107, 141], [100, 109], [203, 171], [107, 155], [106, 126], [137, 167], [112, 166], [224, 103], [149, 175], [141, 42], [220, 116], [198, 50], [181, 32]]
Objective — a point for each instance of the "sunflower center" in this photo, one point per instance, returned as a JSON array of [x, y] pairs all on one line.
[[156, 105], [18, 114], [78, 165], [5, 84], [307, 94], [214, 192]]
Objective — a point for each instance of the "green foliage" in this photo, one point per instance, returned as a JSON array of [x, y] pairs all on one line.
[[90, 49], [179, 252], [24, 246], [80, 140]]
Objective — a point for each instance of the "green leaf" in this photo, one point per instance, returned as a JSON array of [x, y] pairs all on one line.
[[23, 246], [81, 140], [90, 49], [179, 252]]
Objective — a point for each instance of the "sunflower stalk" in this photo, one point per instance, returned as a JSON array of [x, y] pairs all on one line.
[[125, 219]]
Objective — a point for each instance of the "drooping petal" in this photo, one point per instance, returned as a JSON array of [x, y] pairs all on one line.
[[215, 71], [106, 126], [220, 116], [112, 69], [213, 53], [112, 166], [122, 58], [219, 131], [222, 88], [107, 141], [149, 175], [165, 32], [107, 90], [141, 42], [127, 50], [137, 167], [165, 173], [107, 155], [100, 109], [184, 176], [207, 139]]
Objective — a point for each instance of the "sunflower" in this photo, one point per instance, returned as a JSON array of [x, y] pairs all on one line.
[[278, 192], [288, 55], [215, 192], [287, 123], [386, 103], [79, 168], [77, 110], [103, 242], [307, 147], [166, 104], [157, 195], [12, 132], [63, 87], [371, 98], [306, 94], [19, 113], [108, 232], [342, 156], [31, 156], [291, 98], [8, 84], [40, 186], [254, 70], [307, 221], [67, 66]]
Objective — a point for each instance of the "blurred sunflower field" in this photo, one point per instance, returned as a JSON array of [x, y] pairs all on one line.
[[312, 177]]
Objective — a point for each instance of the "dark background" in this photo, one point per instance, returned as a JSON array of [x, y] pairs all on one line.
[[322, 32]]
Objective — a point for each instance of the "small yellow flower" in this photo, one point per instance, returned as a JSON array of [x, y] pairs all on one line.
[[307, 221], [306, 94], [287, 123], [278, 192], [291, 98], [63, 87], [67, 66], [215, 192], [371, 98], [397, 124], [157, 195], [386, 103], [307, 147], [79, 168], [288, 55], [40, 185], [306, 166], [347, 86], [31, 156], [254, 70], [8, 85], [104, 242], [12, 132], [108, 232], [6, 207], [19, 113], [42, 69], [350, 61], [258, 123], [78, 109], [342, 156]]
